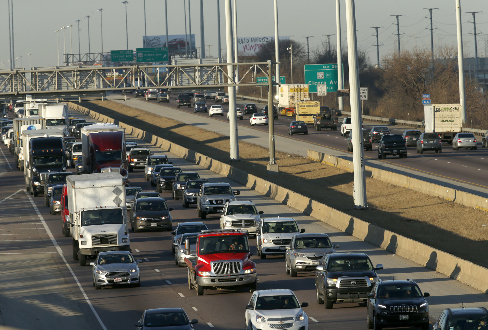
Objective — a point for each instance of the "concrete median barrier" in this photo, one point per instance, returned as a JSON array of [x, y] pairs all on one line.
[[449, 265]]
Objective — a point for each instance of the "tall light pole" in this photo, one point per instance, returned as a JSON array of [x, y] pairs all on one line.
[[64, 41], [57, 33], [236, 57], [308, 49], [431, 33], [166, 19], [79, 42], [189, 27], [475, 43], [30, 62], [13, 34], [328, 40], [291, 61], [145, 26], [462, 99], [277, 48], [202, 32], [10, 36], [398, 31], [339, 53], [70, 39], [378, 46], [126, 26], [234, 145], [101, 28], [89, 46], [186, 32]]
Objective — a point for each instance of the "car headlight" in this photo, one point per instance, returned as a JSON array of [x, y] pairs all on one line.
[[57, 202], [381, 306], [49, 189], [125, 239], [260, 319], [203, 274], [331, 281], [265, 240], [149, 169], [34, 169], [373, 279], [204, 200], [165, 217], [36, 183], [300, 255], [80, 166], [250, 271], [423, 308], [423, 305], [83, 242], [178, 186], [228, 223], [133, 270], [300, 316], [101, 272]]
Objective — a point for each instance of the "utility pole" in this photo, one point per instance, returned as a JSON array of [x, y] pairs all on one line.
[[219, 46], [89, 47], [79, 43], [101, 28], [359, 192], [71, 41], [145, 26], [308, 49], [462, 99], [277, 53], [328, 40], [10, 36], [189, 28], [291, 61], [475, 43], [186, 33], [431, 33], [202, 32], [64, 40], [398, 31], [377, 46], [13, 34], [126, 26], [57, 33], [339, 53], [236, 55], [166, 19]]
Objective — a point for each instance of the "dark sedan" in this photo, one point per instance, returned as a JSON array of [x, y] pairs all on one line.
[[190, 193], [297, 127], [200, 107], [367, 144], [167, 177], [411, 137], [150, 213], [250, 108], [180, 182], [140, 92], [378, 131], [165, 318]]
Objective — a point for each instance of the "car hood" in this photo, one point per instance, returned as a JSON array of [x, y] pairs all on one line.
[[279, 235], [151, 214], [117, 267], [401, 301], [279, 313], [315, 252], [218, 196], [192, 190], [242, 217], [225, 256], [353, 273], [178, 327], [167, 177]]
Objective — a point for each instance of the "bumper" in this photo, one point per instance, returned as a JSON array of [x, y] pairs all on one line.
[[260, 122], [212, 208], [154, 225], [190, 199], [166, 184], [273, 249], [298, 131], [394, 152], [466, 145], [393, 320], [123, 280], [96, 250], [250, 230], [348, 295], [138, 164], [431, 147], [291, 325], [305, 265], [226, 281], [212, 113], [57, 207]]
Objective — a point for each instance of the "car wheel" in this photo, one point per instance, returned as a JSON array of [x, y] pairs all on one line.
[[383, 156], [176, 261], [253, 287], [51, 211], [328, 304], [135, 229], [421, 151], [440, 151], [138, 284], [405, 156], [202, 214], [82, 260], [46, 201], [320, 301], [66, 231], [75, 249], [293, 273], [370, 322], [475, 148], [262, 255], [97, 287], [376, 326], [185, 204], [418, 150], [159, 189], [199, 289], [287, 270], [175, 197], [306, 133]]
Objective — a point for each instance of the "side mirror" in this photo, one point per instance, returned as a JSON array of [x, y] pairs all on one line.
[[304, 304], [371, 295], [187, 246], [319, 268], [173, 233], [92, 264], [302, 230], [170, 209], [261, 212], [138, 324], [249, 307], [378, 267], [194, 321], [237, 192], [426, 294], [336, 246]]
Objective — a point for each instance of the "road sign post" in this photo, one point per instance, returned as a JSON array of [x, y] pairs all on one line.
[[322, 90], [159, 54], [122, 55], [321, 74], [426, 99]]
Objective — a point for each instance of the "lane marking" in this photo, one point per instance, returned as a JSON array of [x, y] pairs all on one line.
[[8, 163], [181, 295], [60, 252], [195, 309], [169, 282], [311, 318], [3, 200], [210, 325], [137, 250], [157, 270], [9, 253]]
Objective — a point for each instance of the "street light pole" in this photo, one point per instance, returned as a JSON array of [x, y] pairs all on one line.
[[70, 40], [202, 31], [234, 145], [186, 32], [189, 28], [79, 43], [30, 62], [64, 41], [308, 49], [101, 28], [236, 57], [166, 19], [89, 46], [462, 98], [339, 53], [145, 26], [126, 26], [277, 48], [13, 34], [57, 32], [291, 61]]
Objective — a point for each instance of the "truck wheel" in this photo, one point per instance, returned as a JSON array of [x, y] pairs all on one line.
[[421, 151], [328, 304], [440, 151], [253, 287], [82, 260], [131, 169], [66, 231], [383, 156], [379, 155], [293, 273], [262, 255], [185, 204], [199, 289], [202, 214], [35, 193], [75, 249], [320, 301], [370, 323]]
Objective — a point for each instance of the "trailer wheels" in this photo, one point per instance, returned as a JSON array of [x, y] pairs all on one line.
[[199, 289], [75, 249], [82, 259]]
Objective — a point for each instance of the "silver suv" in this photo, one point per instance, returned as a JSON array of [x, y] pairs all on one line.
[[306, 252], [212, 198], [274, 235], [241, 215], [429, 141]]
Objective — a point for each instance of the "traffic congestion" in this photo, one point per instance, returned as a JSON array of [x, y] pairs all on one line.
[[119, 206]]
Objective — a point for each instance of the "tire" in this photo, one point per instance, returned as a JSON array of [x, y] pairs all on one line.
[[383, 156], [135, 229], [63, 231], [159, 189], [440, 151], [131, 169], [138, 284], [75, 249], [66, 232], [147, 178], [293, 273], [376, 326], [175, 196], [185, 204], [82, 259], [379, 155], [418, 150], [287, 271], [329, 304], [202, 214], [262, 255], [319, 128], [370, 322], [421, 151], [199, 289], [405, 156], [35, 193], [253, 287], [97, 287], [51, 211], [475, 148], [306, 133], [425, 327], [189, 280], [320, 300], [46, 201], [177, 263]]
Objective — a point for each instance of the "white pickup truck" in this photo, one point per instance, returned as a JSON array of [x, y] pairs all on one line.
[[346, 126]]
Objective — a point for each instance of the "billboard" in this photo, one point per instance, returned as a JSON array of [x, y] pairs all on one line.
[[249, 46], [177, 43]]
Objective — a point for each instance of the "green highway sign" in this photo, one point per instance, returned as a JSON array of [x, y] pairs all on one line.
[[318, 74], [122, 55], [264, 80], [159, 54]]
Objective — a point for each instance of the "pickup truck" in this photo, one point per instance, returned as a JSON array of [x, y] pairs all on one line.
[[182, 100], [241, 215], [326, 119], [393, 144], [346, 126], [212, 198]]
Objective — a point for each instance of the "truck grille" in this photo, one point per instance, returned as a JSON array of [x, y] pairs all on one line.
[[218, 201], [280, 319], [226, 267], [353, 283], [104, 239], [404, 309], [281, 326], [281, 241], [314, 257], [243, 223]]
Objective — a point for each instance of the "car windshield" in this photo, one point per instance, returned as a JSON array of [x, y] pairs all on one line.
[[218, 190], [190, 229], [77, 147], [413, 133], [466, 135], [154, 205], [466, 322], [107, 156], [102, 217], [187, 176], [392, 138], [76, 121], [223, 244], [138, 153], [347, 120], [194, 185], [172, 171], [381, 129], [312, 243], [241, 209], [132, 191], [55, 122], [277, 302], [165, 319], [431, 136], [148, 194], [280, 227], [106, 259], [48, 160], [348, 264], [157, 161], [58, 178], [297, 123], [398, 291], [57, 191]]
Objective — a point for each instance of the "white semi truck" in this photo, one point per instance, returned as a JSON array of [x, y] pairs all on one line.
[[55, 114], [19, 125], [97, 214], [290, 94], [443, 119]]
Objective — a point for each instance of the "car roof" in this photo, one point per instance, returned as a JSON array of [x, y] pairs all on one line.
[[158, 156], [164, 310], [147, 192], [339, 255], [213, 184], [190, 223], [150, 199], [113, 252], [277, 219], [241, 203], [136, 149], [480, 311], [396, 282], [274, 292], [311, 235]]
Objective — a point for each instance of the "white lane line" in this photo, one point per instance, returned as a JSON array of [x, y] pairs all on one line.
[[195, 309], [60, 252], [137, 250], [3, 200], [9, 253], [146, 259], [6, 159], [169, 282], [181, 295], [210, 324], [157, 270], [313, 319]]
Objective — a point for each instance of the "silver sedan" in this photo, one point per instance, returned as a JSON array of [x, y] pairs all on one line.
[[464, 140], [115, 268]]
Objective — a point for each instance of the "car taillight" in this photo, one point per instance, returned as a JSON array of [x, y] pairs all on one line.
[[474, 140], [406, 137], [293, 127], [370, 140], [422, 141], [459, 140]]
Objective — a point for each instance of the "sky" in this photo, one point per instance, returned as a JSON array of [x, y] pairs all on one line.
[[35, 23]]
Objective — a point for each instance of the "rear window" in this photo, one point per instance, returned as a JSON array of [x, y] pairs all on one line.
[[392, 138], [140, 152], [430, 136], [347, 120], [187, 176], [465, 135], [183, 97], [169, 171], [413, 133], [381, 129], [156, 161]]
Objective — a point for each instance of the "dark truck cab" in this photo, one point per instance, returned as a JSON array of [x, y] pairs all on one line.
[[392, 144], [326, 119], [345, 277], [46, 154], [106, 149], [183, 99]]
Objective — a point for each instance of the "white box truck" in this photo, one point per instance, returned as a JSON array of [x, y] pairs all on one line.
[[443, 119], [55, 114], [290, 94], [19, 125], [97, 214]]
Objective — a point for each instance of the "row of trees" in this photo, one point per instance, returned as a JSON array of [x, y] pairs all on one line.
[[395, 89]]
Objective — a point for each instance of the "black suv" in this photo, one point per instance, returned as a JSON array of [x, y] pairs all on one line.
[[393, 144], [180, 182], [275, 111], [250, 108], [345, 277], [183, 99], [462, 318], [397, 304]]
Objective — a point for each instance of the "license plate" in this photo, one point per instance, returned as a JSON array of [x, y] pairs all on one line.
[[395, 151], [354, 296], [299, 126], [117, 279], [154, 224], [403, 317], [415, 139], [282, 247]]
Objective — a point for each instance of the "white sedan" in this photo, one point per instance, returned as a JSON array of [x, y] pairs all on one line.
[[275, 309], [259, 119], [240, 114], [216, 110]]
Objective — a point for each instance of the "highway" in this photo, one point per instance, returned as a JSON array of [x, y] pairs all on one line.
[[461, 169], [38, 272]]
